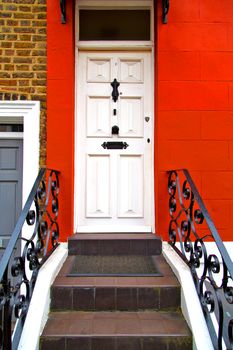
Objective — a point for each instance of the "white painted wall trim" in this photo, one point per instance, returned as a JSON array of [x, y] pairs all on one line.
[[28, 113], [115, 45], [112, 229], [190, 304], [114, 3], [40, 302], [11, 135]]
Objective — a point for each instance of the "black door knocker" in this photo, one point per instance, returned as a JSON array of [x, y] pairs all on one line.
[[115, 92]]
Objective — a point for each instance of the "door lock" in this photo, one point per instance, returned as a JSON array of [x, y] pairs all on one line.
[[147, 119]]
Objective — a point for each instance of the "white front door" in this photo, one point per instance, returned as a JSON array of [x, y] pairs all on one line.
[[114, 130]]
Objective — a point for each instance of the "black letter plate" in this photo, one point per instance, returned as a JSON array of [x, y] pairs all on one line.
[[115, 145]]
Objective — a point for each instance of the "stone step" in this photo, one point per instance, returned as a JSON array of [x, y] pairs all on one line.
[[115, 293], [114, 244], [148, 330]]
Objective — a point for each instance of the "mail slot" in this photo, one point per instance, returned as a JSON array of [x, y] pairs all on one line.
[[115, 145]]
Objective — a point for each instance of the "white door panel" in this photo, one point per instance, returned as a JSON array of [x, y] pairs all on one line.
[[130, 195], [98, 184], [98, 116], [114, 186], [99, 70], [131, 116], [130, 70]]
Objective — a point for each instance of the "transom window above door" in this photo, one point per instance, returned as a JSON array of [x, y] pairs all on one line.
[[116, 25]]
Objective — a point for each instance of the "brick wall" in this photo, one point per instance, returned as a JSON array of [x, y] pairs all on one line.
[[23, 56]]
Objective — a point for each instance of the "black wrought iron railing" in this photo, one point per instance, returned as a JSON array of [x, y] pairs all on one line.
[[34, 238], [190, 228]]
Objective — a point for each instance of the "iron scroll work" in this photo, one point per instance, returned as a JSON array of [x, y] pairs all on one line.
[[35, 237], [190, 228]]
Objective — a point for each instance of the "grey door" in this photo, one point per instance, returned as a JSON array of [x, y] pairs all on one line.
[[11, 164]]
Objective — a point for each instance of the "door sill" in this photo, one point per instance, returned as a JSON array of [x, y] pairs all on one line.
[[114, 229]]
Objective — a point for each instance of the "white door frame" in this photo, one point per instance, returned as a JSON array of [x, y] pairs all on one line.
[[27, 113], [113, 46]]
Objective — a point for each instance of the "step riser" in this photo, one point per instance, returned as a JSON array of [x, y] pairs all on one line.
[[117, 343], [115, 247], [100, 299]]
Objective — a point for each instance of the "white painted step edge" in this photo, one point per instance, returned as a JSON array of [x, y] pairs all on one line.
[[190, 304], [40, 303]]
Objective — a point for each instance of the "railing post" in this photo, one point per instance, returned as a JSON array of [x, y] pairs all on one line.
[[211, 272], [7, 326], [19, 269], [6, 313]]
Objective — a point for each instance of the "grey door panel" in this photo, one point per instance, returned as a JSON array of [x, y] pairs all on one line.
[[11, 163]]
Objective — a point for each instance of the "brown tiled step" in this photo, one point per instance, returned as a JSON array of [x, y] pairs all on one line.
[[116, 331], [117, 298], [115, 293], [114, 244]]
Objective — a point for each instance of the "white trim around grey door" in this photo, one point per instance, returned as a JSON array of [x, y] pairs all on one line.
[[27, 113]]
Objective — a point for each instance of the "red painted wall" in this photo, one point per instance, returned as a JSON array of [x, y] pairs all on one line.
[[60, 107], [195, 104]]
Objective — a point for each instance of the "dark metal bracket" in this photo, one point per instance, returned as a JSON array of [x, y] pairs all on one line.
[[63, 11], [115, 145], [165, 10]]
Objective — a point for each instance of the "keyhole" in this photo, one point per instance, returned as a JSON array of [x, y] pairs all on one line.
[[148, 140]]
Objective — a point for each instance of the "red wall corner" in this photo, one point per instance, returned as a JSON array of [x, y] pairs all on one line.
[[60, 108]]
